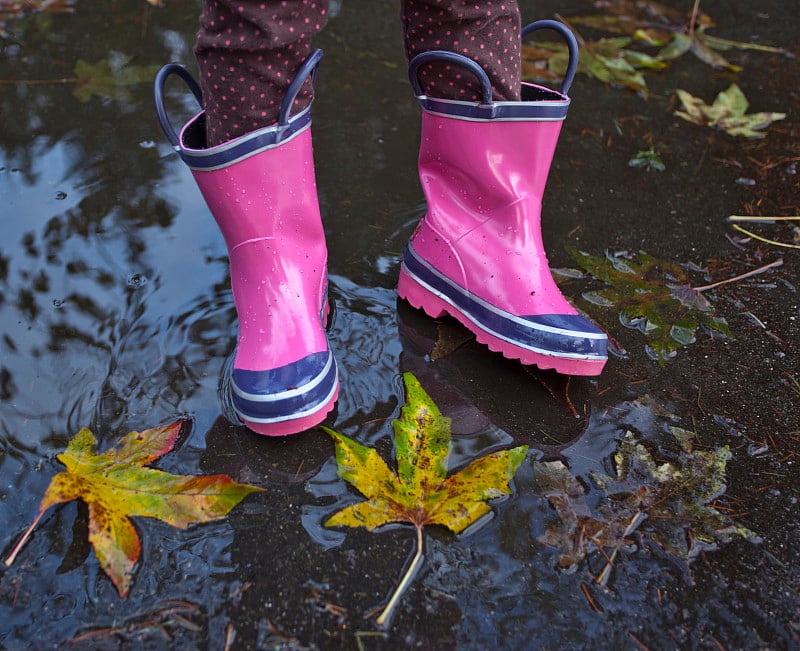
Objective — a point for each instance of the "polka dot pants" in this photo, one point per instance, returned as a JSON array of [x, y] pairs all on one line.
[[249, 50], [487, 32]]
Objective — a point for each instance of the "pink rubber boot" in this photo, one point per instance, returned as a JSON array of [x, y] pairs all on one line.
[[261, 190], [478, 254]]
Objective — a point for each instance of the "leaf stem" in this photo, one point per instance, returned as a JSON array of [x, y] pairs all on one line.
[[775, 263], [603, 578], [23, 540], [401, 588]]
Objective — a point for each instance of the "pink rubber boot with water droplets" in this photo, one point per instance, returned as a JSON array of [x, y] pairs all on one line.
[[478, 253], [261, 190]]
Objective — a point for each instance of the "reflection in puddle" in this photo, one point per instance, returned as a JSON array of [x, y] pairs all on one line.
[[116, 314]]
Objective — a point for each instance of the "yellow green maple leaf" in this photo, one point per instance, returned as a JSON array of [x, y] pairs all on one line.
[[421, 492], [117, 485], [728, 112]]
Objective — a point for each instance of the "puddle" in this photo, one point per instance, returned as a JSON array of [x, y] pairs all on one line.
[[115, 314]]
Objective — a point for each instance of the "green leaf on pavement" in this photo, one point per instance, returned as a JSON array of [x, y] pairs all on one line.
[[653, 296]]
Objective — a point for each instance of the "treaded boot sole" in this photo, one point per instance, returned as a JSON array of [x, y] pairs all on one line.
[[436, 304]]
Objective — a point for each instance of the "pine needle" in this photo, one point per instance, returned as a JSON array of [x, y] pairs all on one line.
[[766, 240]]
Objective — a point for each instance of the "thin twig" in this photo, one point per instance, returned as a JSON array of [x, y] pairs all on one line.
[[578, 37], [764, 239], [37, 82], [754, 272], [602, 579], [762, 218], [695, 11], [230, 637], [590, 599], [23, 540], [412, 570], [299, 468], [638, 641]]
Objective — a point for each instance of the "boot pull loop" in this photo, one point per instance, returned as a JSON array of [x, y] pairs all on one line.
[[451, 57], [308, 69], [572, 47], [158, 97]]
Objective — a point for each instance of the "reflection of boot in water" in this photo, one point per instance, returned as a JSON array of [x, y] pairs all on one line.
[[284, 461], [271, 570], [482, 392]]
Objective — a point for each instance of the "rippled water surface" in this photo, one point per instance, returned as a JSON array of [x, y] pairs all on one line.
[[116, 314]]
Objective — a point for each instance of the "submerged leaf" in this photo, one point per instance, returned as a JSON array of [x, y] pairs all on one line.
[[117, 485], [728, 112], [107, 79], [578, 530], [653, 296], [674, 500], [421, 492], [451, 337], [677, 496]]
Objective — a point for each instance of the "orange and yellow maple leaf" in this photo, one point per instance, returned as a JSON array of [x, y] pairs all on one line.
[[117, 485]]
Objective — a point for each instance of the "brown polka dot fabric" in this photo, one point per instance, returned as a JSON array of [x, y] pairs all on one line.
[[248, 52], [489, 32]]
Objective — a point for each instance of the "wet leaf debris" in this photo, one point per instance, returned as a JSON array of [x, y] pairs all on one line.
[[619, 61], [671, 502], [653, 296]]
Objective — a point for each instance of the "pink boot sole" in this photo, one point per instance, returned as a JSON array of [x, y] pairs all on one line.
[[435, 306]]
